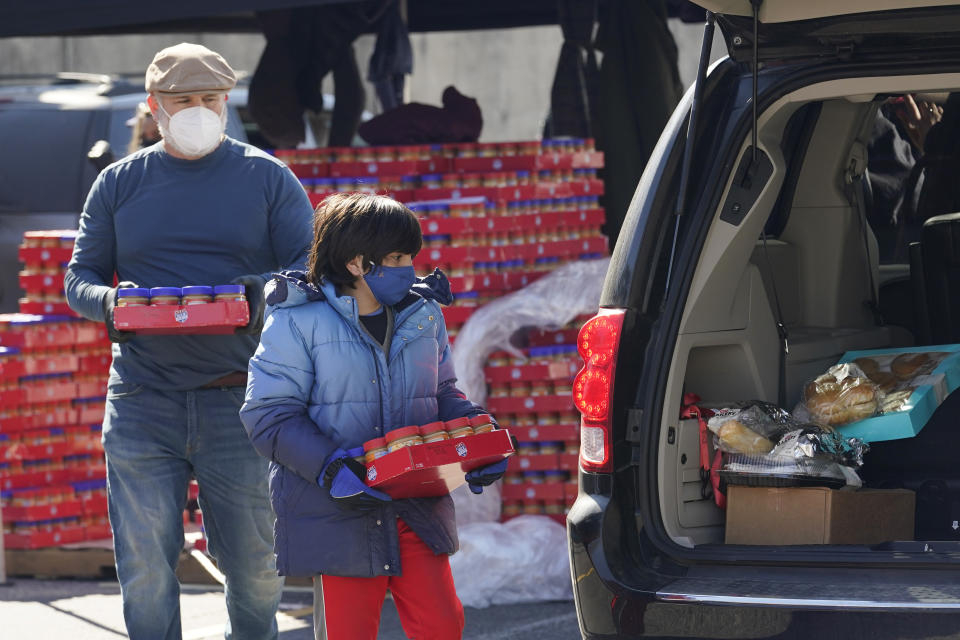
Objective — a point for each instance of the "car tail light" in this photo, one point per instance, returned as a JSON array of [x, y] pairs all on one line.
[[598, 343]]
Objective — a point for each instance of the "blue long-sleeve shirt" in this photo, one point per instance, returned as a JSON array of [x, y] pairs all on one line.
[[157, 220]]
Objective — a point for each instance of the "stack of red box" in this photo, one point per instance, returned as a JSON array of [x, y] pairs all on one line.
[[532, 396], [45, 255], [495, 216], [52, 387], [53, 371]]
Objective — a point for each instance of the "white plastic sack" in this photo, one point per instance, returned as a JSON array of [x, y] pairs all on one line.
[[521, 560]]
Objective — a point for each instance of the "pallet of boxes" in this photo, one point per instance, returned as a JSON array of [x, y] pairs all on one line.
[[495, 216], [53, 376]]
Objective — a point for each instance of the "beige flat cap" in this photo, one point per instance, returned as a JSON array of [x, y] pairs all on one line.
[[189, 68]]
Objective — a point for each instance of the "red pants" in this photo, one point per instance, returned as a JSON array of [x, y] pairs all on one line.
[[349, 608]]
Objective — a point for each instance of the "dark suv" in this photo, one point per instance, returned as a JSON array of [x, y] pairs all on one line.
[[769, 235]]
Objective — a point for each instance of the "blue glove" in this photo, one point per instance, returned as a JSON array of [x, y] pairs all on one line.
[[343, 476], [484, 476]]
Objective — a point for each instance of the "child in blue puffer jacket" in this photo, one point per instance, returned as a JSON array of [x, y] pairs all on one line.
[[350, 350]]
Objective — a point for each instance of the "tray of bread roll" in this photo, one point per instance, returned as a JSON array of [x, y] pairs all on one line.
[[884, 394]]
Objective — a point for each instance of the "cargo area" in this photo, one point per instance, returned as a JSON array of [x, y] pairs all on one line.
[[808, 253]]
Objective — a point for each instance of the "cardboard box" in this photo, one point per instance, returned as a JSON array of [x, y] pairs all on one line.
[[436, 468], [209, 318], [817, 515]]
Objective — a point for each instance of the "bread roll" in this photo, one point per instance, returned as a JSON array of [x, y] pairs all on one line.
[[885, 380], [854, 399], [895, 401], [868, 365], [738, 437], [908, 365]]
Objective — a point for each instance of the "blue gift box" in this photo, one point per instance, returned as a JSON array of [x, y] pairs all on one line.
[[918, 408]]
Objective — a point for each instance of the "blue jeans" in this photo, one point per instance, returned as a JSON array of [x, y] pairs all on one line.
[[153, 441]]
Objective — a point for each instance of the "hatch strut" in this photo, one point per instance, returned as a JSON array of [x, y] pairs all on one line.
[[688, 149], [756, 64]]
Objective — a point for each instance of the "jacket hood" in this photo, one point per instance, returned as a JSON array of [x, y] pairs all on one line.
[[291, 289]]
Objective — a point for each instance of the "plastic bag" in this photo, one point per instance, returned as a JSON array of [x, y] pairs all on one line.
[[753, 428], [521, 560], [766, 446], [813, 441], [842, 395]]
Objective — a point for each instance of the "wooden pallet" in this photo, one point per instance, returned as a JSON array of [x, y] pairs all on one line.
[[92, 561]]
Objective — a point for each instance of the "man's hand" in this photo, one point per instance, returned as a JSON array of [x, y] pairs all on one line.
[[918, 116], [253, 290], [109, 302], [344, 477]]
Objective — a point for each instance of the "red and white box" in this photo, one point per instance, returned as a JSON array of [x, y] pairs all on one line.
[[207, 318], [436, 468]]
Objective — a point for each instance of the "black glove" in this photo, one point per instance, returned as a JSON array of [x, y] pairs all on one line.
[[344, 477], [109, 302], [253, 290]]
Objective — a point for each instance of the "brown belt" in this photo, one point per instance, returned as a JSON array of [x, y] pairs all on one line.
[[235, 379]]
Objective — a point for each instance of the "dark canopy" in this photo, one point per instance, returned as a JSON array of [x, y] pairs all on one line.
[[100, 17]]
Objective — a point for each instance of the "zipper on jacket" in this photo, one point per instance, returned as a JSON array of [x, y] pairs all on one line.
[[376, 367]]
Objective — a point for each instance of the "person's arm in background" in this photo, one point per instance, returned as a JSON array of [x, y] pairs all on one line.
[[291, 222], [89, 275], [917, 115], [274, 413]]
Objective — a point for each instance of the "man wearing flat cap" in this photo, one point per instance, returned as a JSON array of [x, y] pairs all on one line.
[[196, 208]]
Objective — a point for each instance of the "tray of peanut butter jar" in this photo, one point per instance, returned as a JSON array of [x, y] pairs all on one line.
[[436, 468], [910, 384]]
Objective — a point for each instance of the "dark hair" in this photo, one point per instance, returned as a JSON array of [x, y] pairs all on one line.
[[357, 224]]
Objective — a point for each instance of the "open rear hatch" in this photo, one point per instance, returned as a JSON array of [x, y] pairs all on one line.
[[827, 28], [882, 34]]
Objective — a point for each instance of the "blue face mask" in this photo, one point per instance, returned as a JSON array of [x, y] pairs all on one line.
[[390, 284]]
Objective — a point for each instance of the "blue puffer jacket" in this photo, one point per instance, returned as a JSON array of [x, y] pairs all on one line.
[[317, 382]]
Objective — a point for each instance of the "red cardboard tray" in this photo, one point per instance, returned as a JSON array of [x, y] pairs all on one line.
[[532, 404], [515, 163], [527, 491], [548, 433], [39, 255], [456, 316], [39, 307], [36, 513], [388, 168], [209, 318], [41, 281], [40, 539], [436, 468], [536, 462], [559, 370]]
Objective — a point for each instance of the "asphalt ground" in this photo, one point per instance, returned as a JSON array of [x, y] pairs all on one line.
[[34, 609]]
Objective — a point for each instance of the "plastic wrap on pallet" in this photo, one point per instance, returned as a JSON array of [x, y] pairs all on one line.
[[521, 560]]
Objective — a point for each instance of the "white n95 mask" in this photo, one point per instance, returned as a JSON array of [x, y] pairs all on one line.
[[195, 131]]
